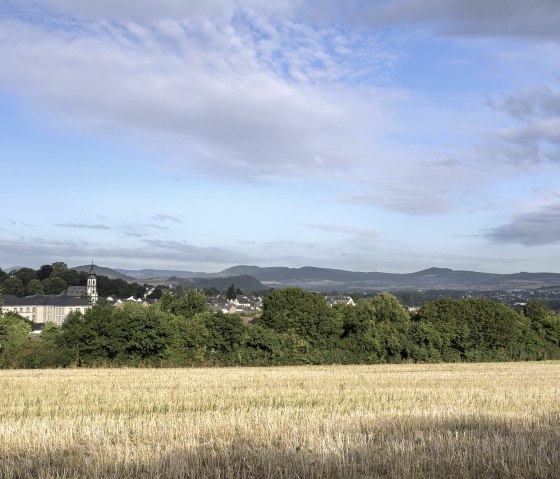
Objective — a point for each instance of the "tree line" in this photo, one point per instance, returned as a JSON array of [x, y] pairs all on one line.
[[295, 327], [56, 277]]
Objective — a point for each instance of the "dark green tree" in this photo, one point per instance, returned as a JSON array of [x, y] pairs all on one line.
[[54, 285], [130, 335], [13, 285], [188, 344], [230, 293], [226, 335], [393, 327], [26, 275], [58, 268], [188, 304], [14, 336], [303, 313], [44, 272], [34, 286], [361, 335]]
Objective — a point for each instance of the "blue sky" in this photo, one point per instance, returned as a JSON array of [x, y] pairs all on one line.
[[373, 136]]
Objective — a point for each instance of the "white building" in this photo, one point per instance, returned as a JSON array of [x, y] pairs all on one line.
[[41, 308]]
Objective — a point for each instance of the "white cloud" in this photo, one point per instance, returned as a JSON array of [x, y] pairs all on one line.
[[535, 228], [212, 93], [259, 90]]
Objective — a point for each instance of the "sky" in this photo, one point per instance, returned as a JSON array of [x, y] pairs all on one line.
[[362, 135]]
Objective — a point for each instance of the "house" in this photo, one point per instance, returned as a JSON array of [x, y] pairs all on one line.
[[41, 308], [333, 300], [247, 303]]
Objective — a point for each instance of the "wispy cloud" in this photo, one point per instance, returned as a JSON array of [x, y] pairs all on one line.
[[160, 251], [93, 226], [540, 227], [504, 18], [163, 218], [347, 230]]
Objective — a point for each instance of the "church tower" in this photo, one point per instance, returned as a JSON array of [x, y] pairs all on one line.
[[92, 285]]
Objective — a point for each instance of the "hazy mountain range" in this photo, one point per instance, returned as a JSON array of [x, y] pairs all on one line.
[[324, 279]]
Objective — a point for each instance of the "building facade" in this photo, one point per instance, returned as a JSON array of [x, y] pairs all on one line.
[[41, 309]]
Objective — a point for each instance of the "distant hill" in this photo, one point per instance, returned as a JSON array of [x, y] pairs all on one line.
[[325, 279], [243, 282], [158, 273], [255, 278], [103, 271]]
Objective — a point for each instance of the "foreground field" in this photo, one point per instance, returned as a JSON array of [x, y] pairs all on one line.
[[460, 420]]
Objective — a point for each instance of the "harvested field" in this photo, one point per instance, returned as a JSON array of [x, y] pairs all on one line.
[[447, 420]]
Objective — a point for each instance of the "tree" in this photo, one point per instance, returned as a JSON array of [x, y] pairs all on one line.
[[188, 304], [26, 275], [360, 333], [546, 325], [473, 329], [393, 327], [58, 268], [13, 285], [34, 287], [188, 340], [226, 334], [230, 293], [44, 272], [156, 293], [54, 285], [132, 334], [14, 334], [141, 331], [303, 313]]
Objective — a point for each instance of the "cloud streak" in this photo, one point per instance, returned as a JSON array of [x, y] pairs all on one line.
[[146, 250], [92, 226], [267, 91], [537, 228]]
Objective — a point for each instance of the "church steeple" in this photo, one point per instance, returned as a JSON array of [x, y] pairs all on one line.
[[92, 285]]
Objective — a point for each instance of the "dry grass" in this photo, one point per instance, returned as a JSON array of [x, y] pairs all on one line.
[[477, 420]]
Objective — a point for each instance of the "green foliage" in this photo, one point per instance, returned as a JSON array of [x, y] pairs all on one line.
[[473, 330], [132, 334], [157, 293], [13, 285], [546, 325], [34, 286], [226, 334], [296, 327], [58, 268], [54, 285], [305, 314], [44, 271], [14, 334], [26, 275], [361, 336], [118, 287], [230, 293], [188, 343], [191, 302]]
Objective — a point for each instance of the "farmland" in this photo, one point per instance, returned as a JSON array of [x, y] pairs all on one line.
[[444, 420]]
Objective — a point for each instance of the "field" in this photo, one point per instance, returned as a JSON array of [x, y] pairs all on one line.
[[449, 420]]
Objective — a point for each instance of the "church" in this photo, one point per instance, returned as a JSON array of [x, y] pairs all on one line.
[[41, 308]]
